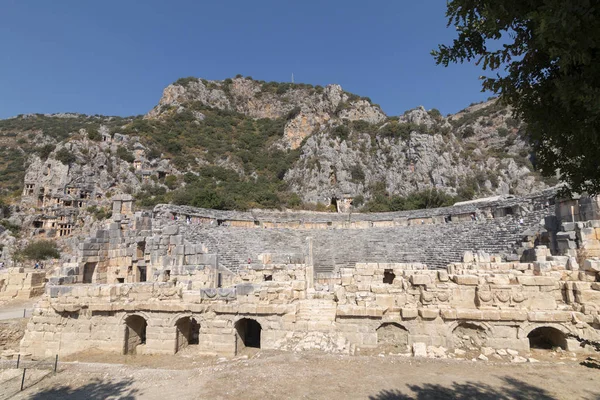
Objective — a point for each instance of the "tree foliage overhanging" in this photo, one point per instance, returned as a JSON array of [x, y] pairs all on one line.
[[547, 57]]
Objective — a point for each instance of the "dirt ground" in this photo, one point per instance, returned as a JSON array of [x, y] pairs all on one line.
[[11, 333], [278, 375]]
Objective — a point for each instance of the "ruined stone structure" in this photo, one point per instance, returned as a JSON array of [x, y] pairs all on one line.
[[494, 274], [16, 283]]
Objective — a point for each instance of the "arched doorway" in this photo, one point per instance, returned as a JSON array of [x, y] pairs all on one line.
[[248, 333], [469, 336], [188, 332], [135, 333], [392, 337], [546, 337]]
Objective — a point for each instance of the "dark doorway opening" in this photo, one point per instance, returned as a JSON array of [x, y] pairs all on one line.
[[547, 338], [142, 273], [249, 332], [135, 333], [88, 272], [188, 333]]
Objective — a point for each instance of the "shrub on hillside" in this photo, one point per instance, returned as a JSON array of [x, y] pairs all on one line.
[[65, 156], [125, 154], [40, 250]]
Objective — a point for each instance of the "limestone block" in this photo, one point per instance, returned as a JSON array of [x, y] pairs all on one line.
[[448, 313], [566, 235], [572, 264], [483, 257], [549, 316], [591, 265], [419, 349], [528, 280], [469, 314], [409, 313], [591, 297], [586, 234], [513, 315], [443, 276], [420, 280], [469, 280], [468, 257], [591, 244], [542, 266], [429, 313], [299, 285], [541, 252]]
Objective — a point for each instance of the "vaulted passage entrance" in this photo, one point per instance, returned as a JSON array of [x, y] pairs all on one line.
[[248, 333], [135, 333], [547, 337], [188, 333]]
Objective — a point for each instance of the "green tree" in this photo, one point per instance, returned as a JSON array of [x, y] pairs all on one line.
[[40, 250], [171, 182], [546, 54], [125, 154], [65, 156]]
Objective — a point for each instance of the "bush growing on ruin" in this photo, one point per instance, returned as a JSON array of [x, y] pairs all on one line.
[[94, 135], [65, 156], [358, 201], [382, 201], [125, 154], [171, 182], [14, 229], [357, 174], [40, 250], [341, 131], [100, 213], [44, 151]]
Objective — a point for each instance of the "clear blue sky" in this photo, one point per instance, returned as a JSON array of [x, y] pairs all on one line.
[[115, 57]]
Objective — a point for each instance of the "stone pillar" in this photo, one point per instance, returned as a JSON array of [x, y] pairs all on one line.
[[216, 272], [310, 268]]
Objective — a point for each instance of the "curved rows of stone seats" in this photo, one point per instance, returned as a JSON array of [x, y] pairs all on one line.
[[436, 245]]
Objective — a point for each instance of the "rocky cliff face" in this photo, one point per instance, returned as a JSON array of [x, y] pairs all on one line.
[[347, 145], [309, 107], [323, 143], [483, 153]]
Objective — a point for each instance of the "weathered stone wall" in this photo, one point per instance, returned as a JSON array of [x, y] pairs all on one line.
[[366, 307], [16, 283]]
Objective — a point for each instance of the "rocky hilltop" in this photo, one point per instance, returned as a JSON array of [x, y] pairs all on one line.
[[241, 143], [349, 148]]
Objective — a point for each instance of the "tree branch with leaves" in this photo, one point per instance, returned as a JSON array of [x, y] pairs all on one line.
[[546, 59]]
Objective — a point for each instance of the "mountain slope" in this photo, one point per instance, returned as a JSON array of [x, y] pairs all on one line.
[[241, 143]]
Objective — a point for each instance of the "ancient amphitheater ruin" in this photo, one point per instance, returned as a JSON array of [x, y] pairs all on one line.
[[497, 273]]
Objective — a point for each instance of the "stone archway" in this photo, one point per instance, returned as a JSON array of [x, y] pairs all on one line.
[[547, 337], [135, 333], [248, 333], [392, 337], [187, 333]]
